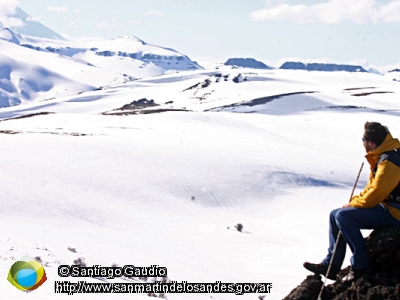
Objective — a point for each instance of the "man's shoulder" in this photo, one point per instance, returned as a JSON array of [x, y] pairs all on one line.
[[392, 156]]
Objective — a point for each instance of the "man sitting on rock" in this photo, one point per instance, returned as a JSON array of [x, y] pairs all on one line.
[[378, 205]]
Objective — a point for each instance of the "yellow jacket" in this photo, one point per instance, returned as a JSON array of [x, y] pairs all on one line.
[[386, 179]]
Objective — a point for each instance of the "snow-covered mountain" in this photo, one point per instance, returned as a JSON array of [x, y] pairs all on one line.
[[28, 26], [28, 75], [125, 48], [88, 65]]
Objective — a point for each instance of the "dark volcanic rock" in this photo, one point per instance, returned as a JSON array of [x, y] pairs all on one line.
[[139, 104], [382, 282], [308, 289]]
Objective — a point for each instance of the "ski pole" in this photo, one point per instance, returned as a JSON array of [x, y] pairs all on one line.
[[338, 237]]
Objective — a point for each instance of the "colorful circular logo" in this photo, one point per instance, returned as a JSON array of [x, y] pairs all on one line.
[[26, 274]]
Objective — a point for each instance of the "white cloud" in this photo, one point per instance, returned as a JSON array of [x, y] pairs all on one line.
[[154, 12], [61, 9], [7, 7], [360, 62], [77, 11], [332, 12], [11, 22]]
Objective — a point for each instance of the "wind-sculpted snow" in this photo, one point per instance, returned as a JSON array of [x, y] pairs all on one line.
[[5, 72], [86, 98], [301, 180], [20, 82], [260, 102]]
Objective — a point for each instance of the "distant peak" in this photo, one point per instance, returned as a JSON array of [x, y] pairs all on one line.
[[131, 38], [329, 67], [247, 63], [31, 27]]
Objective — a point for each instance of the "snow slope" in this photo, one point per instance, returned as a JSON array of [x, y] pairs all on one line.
[[24, 82], [61, 75], [169, 188]]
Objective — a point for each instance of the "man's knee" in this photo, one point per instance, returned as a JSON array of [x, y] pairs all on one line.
[[333, 214], [343, 217]]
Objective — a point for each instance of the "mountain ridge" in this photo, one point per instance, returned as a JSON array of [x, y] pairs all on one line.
[[329, 67], [95, 64], [247, 63], [30, 26]]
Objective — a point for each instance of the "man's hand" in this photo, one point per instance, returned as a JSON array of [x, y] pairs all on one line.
[[346, 205]]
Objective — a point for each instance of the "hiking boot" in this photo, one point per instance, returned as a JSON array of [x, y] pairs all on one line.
[[321, 269]]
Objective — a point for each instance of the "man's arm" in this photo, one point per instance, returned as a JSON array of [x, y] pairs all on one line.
[[387, 177]]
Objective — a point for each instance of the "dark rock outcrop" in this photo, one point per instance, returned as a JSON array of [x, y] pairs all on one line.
[[139, 104], [381, 283], [291, 65], [247, 63]]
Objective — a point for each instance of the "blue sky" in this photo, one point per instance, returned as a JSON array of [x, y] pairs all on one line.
[[341, 31]]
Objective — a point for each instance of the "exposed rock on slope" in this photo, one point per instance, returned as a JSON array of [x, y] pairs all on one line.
[[383, 282]]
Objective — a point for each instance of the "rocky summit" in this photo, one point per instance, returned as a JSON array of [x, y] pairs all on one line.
[[381, 282]]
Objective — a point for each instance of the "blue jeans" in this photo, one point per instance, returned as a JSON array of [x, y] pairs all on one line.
[[349, 221]]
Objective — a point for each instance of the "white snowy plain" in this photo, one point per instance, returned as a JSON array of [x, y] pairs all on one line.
[[168, 188]]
